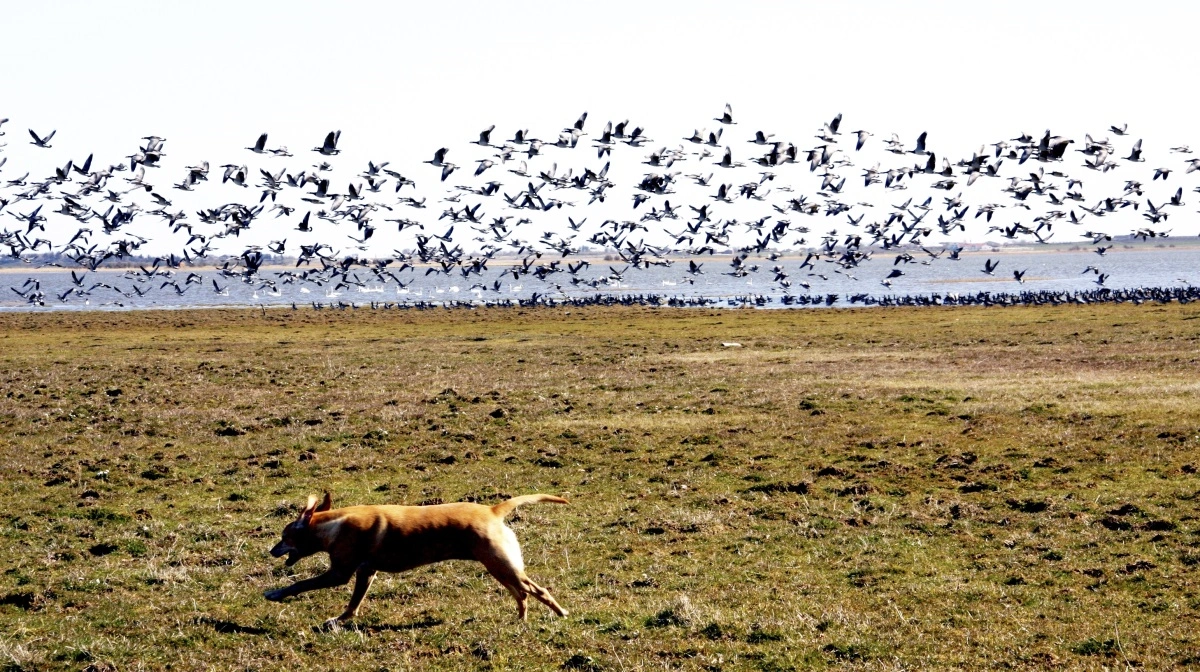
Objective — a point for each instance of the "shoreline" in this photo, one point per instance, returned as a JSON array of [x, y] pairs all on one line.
[[1155, 295]]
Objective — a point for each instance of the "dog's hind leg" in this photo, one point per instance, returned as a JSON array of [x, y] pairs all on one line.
[[518, 594], [509, 577], [362, 583], [502, 557], [522, 586], [514, 579], [541, 594]]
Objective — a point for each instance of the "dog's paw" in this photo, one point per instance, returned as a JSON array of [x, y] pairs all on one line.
[[275, 595], [332, 625]]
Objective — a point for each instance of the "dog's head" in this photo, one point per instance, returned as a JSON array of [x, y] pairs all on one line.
[[298, 540]]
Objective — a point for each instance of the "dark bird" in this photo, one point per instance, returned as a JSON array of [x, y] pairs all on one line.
[[920, 149], [485, 136], [260, 145], [42, 142], [329, 148], [726, 118], [1136, 153]]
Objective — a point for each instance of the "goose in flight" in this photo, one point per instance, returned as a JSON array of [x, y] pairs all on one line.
[[578, 124], [485, 136], [260, 145], [833, 126], [330, 146], [921, 143], [1136, 153], [861, 139], [726, 118], [760, 138], [521, 170], [439, 157], [989, 266], [727, 160], [304, 226], [44, 143]]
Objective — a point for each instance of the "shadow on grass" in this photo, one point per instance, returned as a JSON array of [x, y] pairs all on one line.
[[23, 601], [229, 627], [422, 624]]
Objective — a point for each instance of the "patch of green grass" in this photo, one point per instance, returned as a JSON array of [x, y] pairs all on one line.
[[860, 488]]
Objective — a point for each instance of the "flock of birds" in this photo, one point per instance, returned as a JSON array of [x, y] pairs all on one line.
[[515, 216]]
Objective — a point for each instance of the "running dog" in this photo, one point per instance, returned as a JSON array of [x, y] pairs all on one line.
[[363, 540]]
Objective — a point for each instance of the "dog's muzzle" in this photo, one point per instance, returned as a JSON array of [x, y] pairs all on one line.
[[281, 549]]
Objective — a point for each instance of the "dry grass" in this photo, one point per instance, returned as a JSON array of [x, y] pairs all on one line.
[[871, 489]]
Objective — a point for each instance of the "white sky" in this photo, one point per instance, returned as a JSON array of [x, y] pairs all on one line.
[[402, 79]]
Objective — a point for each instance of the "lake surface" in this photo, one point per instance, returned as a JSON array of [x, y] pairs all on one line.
[[1059, 270]]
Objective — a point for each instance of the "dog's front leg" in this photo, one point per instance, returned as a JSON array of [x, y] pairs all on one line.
[[331, 578], [366, 574]]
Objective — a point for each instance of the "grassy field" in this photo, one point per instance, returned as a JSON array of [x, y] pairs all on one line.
[[873, 489]]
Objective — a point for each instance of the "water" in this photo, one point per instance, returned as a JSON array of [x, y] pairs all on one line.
[[1056, 270]]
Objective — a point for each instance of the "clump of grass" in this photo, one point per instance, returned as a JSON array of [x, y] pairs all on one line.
[[1096, 647], [679, 613]]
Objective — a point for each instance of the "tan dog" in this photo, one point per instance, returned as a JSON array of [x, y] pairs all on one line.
[[370, 539]]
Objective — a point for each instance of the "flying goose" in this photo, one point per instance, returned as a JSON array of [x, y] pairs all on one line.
[[42, 142], [726, 118], [330, 146]]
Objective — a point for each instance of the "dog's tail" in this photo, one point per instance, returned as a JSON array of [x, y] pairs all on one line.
[[504, 508]]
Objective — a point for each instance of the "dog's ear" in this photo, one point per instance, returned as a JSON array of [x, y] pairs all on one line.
[[309, 509], [326, 504]]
